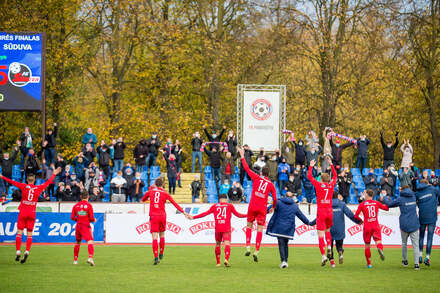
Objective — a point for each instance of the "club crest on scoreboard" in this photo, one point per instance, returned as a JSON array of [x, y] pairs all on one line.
[[20, 75]]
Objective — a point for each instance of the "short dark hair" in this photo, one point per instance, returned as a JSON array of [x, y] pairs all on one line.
[[159, 182], [370, 193], [325, 177], [222, 196], [335, 194], [265, 171], [31, 177], [84, 194]]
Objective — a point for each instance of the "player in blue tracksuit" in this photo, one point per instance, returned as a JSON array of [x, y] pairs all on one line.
[[338, 229], [282, 225], [408, 222], [427, 200]]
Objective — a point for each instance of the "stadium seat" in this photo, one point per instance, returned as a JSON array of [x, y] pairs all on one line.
[[236, 170], [365, 171], [207, 170], [155, 171], [357, 179], [429, 172], [378, 179], [144, 176], [212, 198], [208, 176], [211, 188], [378, 171], [353, 200], [16, 174], [248, 193], [235, 177], [355, 172], [437, 172]]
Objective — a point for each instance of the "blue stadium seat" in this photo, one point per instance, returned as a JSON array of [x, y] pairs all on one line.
[[357, 179], [211, 188], [144, 176], [437, 172], [235, 177], [378, 179], [365, 171], [248, 193], [378, 171], [236, 170], [0, 169], [212, 198], [39, 181], [429, 172], [355, 172], [207, 170], [16, 174], [155, 171], [352, 200]]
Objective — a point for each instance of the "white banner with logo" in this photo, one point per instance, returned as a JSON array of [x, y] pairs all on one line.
[[261, 119], [135, 228]]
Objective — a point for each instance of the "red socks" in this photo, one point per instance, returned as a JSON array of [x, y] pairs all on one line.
[[217, 254], [380, 246], [18, 242], [321, 245], [258, 241], [76, 251], [162, 244], [227, 251], [155, 248], [91, 250], [28, 243], [328, 238], [368, 255], [248, 236]]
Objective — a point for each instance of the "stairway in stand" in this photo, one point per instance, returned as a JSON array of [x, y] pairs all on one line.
[[184, 194]]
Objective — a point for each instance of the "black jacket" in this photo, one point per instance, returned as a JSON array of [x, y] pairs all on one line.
[[52, 138], [32, 164], [119, 148], [295, 185], [300, 152], [344, 183], [248, 158], [235, 194], [196, 144], [337, 152], [104, 156], [196, 187], [232, 145], [140, 149], [131, 182], [7, 164], [153, 147], [362, 146], [368, 184], [217, 139], [171, 168], [90, 156], [388, 152], [215, 158]]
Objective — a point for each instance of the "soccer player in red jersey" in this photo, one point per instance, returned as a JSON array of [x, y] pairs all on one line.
[[82, 214], [257, 210], [26, 217], [158, 217], [324, 199], [222, 215], [370, 209]]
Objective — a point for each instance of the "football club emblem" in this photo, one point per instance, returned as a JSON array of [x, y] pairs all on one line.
[[20, 75], [261, 109]]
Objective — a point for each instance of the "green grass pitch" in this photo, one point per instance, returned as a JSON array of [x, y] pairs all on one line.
[[192, 269]]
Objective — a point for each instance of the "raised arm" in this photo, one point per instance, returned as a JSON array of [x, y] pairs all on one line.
[[381, 140], [16, 184], [396, 143], [310, 176], [207, 134], [335, 175], [221, 134], [210, 211]]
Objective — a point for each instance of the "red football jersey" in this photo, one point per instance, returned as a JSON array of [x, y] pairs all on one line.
[[370, 210], [261, 187], [158, 197], [324, 191], [29, 193], [82, 213], [222, 216]]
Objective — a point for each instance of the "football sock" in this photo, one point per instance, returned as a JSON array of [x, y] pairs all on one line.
[[328, 238], [18, 242], [380, 246], [91, 250], [155, 252], [76, 251], [368, 255], [258, 240], [248, 236], [227, 251], [217, 253], [162, 244], [28, 243], [321, 245]]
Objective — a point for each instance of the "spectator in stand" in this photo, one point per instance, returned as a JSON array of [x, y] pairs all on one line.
[[370, 181], [196, 188], [65, 175], [97, 194], [387, 183], [48, 171], [153, 145], [89, 153], [236, 193], [362, 146], [416, 177], [171, 172], [312, 139], [25, 144], [76, 187], [287, 151], [119, 188], [309, 189], [196, 144], [388, 150], [272, 164], [283, 173], [213, 137], [32, 164], [225, 187], [104, 159], [6, 164], [179, 160], [394, 174], [260, 162], [59, 194], [168, 148], [344, 183], [407, 152], [215, 161], [49, 144], [327, 150], [231, 141], [119, 149], [80, 164], [300, 153], [227, 166], [313, 153], [59, 163], [128, 166], [405, 177], [90, 138], [293, 186], [91, 179], [426, 176], [129, 177], [337, 150], [140, 154], [135, 187], [248, 158]]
